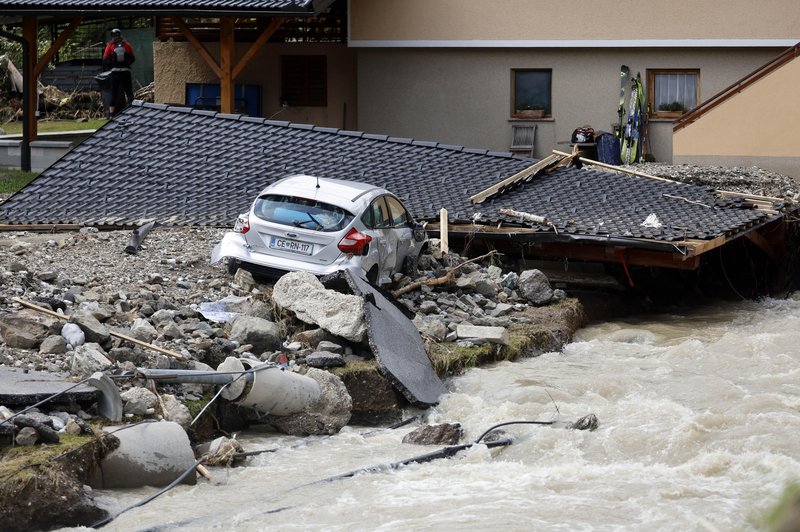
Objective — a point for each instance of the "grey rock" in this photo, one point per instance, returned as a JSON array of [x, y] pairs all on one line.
[[433, 327], [46, 433], [262, 334], [26, 437], [138, 401], [53, 345], [510, 280], [143, 330], [442, 434], [304, 295], [535, 287], [87, 359], [176, 411], [94, 331], [428, 307], [588, 422], [245, 280], [324, 359], [329, 346]]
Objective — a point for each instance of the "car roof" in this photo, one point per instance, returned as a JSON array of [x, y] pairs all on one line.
[[339, 192]]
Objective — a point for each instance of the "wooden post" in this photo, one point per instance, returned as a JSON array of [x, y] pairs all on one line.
[[445, 245], [30, 28], [227, 47]]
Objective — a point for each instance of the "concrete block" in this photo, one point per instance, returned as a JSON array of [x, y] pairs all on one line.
[[495, 335]]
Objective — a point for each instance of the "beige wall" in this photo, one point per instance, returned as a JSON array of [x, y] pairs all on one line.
[[754, 127], [463, 96], [177, 63], [381, 20]]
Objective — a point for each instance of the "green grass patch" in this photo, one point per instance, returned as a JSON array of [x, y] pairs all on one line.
[[13, 180], [54, 126]]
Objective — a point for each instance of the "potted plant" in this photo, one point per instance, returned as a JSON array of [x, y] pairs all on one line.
[[671, 110], [527, 110]]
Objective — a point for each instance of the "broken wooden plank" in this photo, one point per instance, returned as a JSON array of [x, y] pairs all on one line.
[[444, 244], [528, 217], [531, 170], [45, 228], [616, 168]]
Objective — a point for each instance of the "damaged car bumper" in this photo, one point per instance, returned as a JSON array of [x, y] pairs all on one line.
[[233, 246]]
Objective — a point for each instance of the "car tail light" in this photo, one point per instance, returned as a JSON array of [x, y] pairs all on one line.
[[355, 243], [242, 224]]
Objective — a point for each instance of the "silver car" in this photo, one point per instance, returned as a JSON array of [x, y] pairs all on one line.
[[321, 226]]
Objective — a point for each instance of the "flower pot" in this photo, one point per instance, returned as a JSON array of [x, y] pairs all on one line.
[[529, 113]]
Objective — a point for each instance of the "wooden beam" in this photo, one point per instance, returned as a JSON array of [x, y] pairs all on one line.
[[30, 27], [616, 168], [765, 245], [227, 48], [41, 64], [262, 39], [198, 46], [443, 231], [541, 165]]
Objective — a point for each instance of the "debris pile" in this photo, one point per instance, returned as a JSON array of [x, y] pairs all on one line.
[[166, 308], [750, 180]]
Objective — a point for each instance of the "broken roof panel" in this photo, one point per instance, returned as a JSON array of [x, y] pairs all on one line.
[[181, 166]]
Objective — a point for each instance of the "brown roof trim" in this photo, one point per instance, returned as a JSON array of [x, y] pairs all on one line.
[[727, 93]]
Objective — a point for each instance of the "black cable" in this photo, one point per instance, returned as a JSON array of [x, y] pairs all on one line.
[[512, 423], [144, 501]]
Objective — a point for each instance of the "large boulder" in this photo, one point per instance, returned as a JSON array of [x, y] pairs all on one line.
[[262, 334], [534, 286], [26, 330], [87, 359], [94, 331], [304, 295]]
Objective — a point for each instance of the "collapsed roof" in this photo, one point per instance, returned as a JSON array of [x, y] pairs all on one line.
[[182, 166]]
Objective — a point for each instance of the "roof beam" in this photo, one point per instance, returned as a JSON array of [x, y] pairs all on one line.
[[43, 61], [30, 27], [201, 50], [227, 49], [262, 39]]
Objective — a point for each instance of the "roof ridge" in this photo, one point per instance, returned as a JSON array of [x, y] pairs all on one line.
[[324, 129]]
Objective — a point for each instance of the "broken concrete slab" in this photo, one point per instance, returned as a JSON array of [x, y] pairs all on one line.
[[24, 388], [397, 345], [495, 335]]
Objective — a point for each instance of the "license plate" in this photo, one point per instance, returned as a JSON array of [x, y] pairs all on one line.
[[294, 246]]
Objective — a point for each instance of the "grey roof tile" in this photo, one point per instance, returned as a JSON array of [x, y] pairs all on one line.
[[184, 166]]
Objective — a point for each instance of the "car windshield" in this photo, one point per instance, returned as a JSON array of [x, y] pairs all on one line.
[[301, 212]]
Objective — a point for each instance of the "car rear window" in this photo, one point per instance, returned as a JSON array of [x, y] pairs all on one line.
[[301, 212]]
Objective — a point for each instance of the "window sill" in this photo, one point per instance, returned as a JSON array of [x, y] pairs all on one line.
[[542, 119]]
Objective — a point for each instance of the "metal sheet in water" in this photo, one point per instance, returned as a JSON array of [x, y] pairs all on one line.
[[397, 346]]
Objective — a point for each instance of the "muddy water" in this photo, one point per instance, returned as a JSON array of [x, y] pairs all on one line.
[[699, 430]]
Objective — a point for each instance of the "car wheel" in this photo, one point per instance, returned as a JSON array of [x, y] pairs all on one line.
[[232, 266]]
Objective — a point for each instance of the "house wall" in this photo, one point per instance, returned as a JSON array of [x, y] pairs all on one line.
[[569, 20], [463, 95], [177, 63], [767, 111]]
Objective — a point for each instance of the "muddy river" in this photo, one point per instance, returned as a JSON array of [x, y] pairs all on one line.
[[699, 417]]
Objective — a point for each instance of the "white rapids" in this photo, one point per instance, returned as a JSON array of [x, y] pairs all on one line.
[[699, 417]]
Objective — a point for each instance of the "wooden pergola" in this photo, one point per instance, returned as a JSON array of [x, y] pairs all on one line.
[[27, 14]]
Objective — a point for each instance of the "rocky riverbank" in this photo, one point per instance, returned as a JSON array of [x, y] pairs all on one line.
[[167, 297]]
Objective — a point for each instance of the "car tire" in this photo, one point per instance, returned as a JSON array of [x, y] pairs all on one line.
[[232, 266]]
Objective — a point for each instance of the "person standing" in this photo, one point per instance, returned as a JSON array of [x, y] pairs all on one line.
[[118, 57]]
